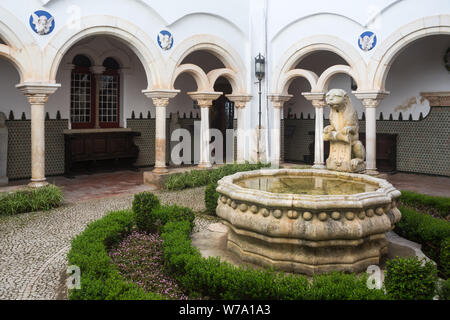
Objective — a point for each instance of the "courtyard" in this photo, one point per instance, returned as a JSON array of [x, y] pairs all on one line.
[[36, 269]]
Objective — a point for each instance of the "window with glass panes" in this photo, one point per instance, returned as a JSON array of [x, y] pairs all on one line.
[[81, 102], [109, 94]]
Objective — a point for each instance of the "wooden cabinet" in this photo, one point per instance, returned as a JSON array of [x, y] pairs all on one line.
[[89, 149]]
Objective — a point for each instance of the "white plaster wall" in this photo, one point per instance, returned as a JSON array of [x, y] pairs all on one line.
[[10, 97]]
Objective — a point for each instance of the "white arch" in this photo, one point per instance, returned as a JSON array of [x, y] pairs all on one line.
[[312, 44], [228, 74], [291, 75], [129, 34], [196, 72], [19, 49], [325, 78], [386, 52], [209, 43]]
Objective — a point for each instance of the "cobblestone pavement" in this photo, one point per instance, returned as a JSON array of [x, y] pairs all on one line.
[[33, 247]]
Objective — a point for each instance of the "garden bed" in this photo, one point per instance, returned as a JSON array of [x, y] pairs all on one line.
[[197, 277]]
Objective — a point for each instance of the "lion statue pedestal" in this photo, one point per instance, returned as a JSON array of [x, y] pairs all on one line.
[[347, 153]]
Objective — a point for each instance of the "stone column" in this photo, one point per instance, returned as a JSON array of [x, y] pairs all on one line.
[[318, 102], [3, 150], [161, 101], [97, 72], [277, 103], [240, 102], [371, 100], [37, 95], [205, 101]]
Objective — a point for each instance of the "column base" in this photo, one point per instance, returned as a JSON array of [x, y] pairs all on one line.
[[160, 170], [205, 165], [38, 184], [4, 181], [371, 172], [319, 166]]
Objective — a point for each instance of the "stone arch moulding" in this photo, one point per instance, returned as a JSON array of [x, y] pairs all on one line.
[[136, 39], [384, 56], [19, 50], [325, 78], [236, 85], [307, 46], [196, 72], [212, 44], [291, 75]]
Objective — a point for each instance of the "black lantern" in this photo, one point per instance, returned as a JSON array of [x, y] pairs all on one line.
[[260, 67]]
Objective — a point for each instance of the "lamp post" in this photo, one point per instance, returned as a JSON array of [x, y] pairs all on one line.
[[260, 66]]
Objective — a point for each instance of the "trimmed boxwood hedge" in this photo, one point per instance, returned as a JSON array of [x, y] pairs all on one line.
[[426, 203], [100, 279], [30, 200], [430, 232]]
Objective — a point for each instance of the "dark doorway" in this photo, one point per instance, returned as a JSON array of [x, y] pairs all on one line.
[[222, 111]]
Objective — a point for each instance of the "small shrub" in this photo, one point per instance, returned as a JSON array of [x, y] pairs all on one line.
[[444, 290], [143, 204], [211, 198], [163, 214], [32, 200], [411, 279], [444, 260]]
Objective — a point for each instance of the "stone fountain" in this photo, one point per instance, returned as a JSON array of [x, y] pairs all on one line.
[[312, 221]]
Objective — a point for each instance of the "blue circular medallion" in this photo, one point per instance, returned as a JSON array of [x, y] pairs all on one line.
[[367, 41], [165, 40], [42, 22]]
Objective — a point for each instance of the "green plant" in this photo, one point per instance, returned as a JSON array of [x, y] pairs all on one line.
[[163, 214], [211, 198], [411, 279], [32, 200], [444, 259], [100, 279], [143, 204], [444, 290], [438, 206], [425, 229], [199, 178]]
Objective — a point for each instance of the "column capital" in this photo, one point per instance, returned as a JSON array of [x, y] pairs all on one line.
[[97, 69], [240, 100], [38, 93], [160, 98], [371, 99], [317, 98], [32, 88], [278, 100], [204, 99]]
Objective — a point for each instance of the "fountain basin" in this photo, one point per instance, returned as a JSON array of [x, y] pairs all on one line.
[[331, 221]]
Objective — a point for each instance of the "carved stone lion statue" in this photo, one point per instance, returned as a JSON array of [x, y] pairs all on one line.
[[347, 153]]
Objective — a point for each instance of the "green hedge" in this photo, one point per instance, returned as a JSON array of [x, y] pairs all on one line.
[[425, 203], [32, 200], [200, 178], [430, 232], [100, 279]]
